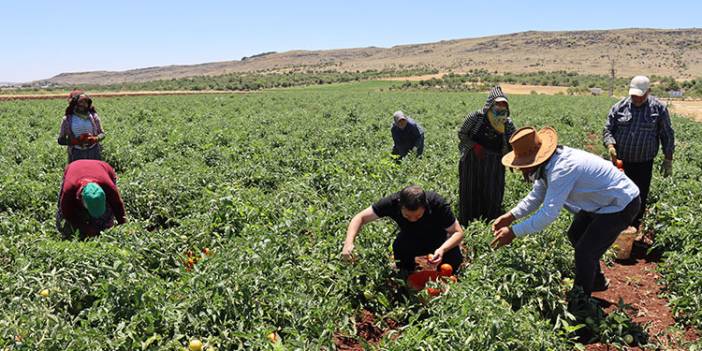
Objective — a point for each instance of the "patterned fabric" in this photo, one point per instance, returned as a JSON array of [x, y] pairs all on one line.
[[476, 128], [481, 175], [66, 135], [90, 153], [80, 126], [636, 132], [481, 186]]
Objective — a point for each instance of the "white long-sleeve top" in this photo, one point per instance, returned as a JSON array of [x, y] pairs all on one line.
[[577, 180]]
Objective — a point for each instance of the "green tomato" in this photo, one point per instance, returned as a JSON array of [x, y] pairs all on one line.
[[628, 339]]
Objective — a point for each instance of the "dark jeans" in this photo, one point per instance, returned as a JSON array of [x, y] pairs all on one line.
[[591, 235], [640, 173]]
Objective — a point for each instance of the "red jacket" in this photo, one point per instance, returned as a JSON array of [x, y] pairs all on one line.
[[79, 173]]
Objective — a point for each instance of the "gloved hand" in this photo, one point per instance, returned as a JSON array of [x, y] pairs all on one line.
[[612, 152], [667, 168]]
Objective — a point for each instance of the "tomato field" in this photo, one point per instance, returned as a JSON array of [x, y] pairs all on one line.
[[257, 190]]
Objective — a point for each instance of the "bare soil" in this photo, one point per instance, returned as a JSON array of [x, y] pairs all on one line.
[[519, 89], [367, 332], [415, 78], [635, 281], [117, 94], [690, 108]]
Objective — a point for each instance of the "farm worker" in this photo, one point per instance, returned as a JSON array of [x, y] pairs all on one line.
[[635, 127], [89, 199], [426, 223], [483, 139], [406, 134], [81, 130], [603, 199]]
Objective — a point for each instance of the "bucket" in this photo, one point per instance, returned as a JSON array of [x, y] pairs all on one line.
[[418, 280], [625, 241]]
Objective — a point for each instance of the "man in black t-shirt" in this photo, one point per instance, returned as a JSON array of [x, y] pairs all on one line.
[[427, 226]]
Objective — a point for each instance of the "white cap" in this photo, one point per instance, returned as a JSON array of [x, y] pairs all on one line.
[[500, 99], [639, 86]]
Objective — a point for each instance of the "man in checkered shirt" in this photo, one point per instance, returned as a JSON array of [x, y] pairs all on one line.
[[635, 127]]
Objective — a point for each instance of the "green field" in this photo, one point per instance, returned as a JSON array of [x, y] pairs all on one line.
[[268, 182]]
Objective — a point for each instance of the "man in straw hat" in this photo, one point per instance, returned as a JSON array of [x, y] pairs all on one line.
[[635, 128], [89, 199], [603, 199]]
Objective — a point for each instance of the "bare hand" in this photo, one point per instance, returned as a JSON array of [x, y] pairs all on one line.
[[438, 256], [502, 221], [612, 152], [346, 252], [503, 236]]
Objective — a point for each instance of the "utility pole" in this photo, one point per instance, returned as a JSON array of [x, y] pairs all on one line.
[[612, 76]]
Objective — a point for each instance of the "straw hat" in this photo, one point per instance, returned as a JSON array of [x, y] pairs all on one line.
[[530, 148]]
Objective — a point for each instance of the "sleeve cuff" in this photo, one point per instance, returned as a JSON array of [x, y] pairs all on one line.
[[517, 213], [519, 230]]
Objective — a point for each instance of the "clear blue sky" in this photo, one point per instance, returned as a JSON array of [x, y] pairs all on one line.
[[40, 39]]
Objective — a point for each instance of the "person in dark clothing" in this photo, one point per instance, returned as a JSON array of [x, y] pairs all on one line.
[[406, 135], [483, 139], [426, 223], [89, 200], [635, 129]]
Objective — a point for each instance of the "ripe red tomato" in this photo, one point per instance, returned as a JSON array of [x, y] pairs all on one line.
[[620, 164], [433, 291], [446, 270]]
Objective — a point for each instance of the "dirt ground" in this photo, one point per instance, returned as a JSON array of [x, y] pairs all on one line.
[[636, 282], [690, 108], [368, 333], [116, 94], [415, 78], [519, 89]]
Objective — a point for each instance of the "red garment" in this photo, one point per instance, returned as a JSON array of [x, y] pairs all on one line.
[[79, 173]]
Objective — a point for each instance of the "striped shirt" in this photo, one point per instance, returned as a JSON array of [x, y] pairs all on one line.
[[577, 180], [477, 129], [80, 126], [637, 132]]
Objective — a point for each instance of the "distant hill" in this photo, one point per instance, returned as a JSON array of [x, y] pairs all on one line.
[[676, 53]]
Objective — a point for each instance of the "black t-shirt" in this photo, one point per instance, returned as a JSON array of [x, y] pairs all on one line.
[[429, 230]]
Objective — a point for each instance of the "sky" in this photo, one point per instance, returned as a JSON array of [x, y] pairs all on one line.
[[40, 39]]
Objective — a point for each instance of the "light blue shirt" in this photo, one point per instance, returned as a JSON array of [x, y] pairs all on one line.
[[80, 126], [577, 180]]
